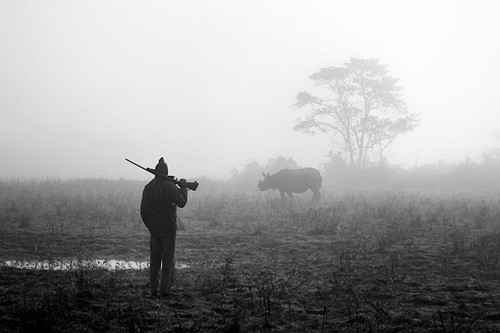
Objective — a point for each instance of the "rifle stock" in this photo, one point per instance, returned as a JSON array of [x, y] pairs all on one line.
[[190, 185]]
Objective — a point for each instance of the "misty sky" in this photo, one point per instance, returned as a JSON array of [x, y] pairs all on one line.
[[210, 85]]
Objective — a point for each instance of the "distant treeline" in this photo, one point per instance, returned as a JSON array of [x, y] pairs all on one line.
[[338, 175], [466, 175]]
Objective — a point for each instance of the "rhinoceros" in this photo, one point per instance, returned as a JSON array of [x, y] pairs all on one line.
[[293, 181]]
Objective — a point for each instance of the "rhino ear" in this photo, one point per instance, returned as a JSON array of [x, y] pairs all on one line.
[[268, 175], [264, 175]]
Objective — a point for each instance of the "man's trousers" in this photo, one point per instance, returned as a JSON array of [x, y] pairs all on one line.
[[162, 265]]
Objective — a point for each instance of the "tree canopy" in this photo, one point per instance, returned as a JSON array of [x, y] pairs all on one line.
[[361, 104]]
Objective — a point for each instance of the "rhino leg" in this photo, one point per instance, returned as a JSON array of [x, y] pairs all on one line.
[[316, 196], [282, 193]]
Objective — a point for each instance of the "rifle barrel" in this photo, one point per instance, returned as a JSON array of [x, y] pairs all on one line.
[[140, 166], [191, 185]]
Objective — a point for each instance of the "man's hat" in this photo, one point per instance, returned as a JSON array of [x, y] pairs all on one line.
[[162, 166]]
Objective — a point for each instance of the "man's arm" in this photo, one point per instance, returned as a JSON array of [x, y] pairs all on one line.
[[178, 196], [144, 208]]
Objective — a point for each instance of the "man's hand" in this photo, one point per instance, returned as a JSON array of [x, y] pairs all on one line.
[[183, 189]]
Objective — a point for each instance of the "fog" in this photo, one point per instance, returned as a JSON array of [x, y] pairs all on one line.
[[210, 85]]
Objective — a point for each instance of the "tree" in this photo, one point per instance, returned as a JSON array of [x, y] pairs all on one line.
[[248, 178], [276, 164], [359, 102]]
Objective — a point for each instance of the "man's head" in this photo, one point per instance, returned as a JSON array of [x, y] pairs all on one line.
[[162, 166]]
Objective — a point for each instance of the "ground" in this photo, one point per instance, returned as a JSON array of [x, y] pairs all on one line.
[[355, 263]]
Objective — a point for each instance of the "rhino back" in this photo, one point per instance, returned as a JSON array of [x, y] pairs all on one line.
[[297, 181]]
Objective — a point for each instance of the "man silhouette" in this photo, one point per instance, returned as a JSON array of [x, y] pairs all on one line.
[[160, 199]]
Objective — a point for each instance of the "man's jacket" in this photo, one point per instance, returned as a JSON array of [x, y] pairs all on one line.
[[160, 200]]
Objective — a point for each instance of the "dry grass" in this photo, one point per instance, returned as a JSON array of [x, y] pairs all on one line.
[[356, 262]]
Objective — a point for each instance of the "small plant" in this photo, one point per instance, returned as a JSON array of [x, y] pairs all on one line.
[[458, 238], [325, 220]]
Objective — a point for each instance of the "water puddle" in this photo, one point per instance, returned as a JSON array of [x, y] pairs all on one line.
[[74, 264]]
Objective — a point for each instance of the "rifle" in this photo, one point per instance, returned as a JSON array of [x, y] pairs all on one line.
[[190, 185]]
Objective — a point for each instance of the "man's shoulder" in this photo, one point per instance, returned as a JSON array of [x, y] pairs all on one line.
[[160, 183], [149, 185], [153, 184], [170, 186]]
